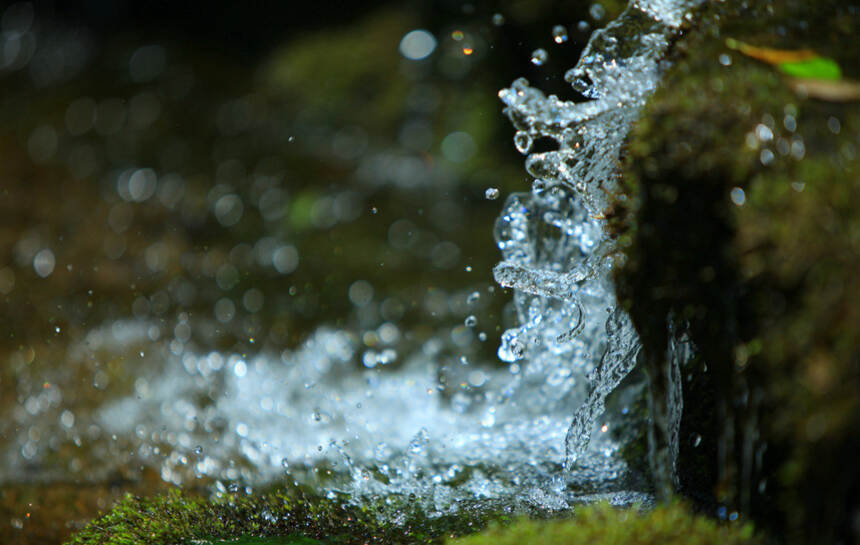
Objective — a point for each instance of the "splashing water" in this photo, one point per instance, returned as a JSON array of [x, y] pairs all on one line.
[[556, 253], [386, 424]]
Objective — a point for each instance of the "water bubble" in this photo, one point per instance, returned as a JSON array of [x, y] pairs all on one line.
[[559, 34], [198, 450], [44, 262], [471, 321], [539, 56], [228, 210], [597, 11], [473, 297], [523, 142], [285, 464], [477, 378], [498, 19], [417, 45], [763, 133], [285, 259], [360, 293], [583, 26], [492, 193], [738, 196]]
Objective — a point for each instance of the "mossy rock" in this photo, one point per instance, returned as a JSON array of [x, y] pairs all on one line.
[[741, 221], [282, 517], [601, 524], [176, 518]]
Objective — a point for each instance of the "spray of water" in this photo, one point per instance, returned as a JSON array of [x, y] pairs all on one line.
[[557, 255], [332, 416]]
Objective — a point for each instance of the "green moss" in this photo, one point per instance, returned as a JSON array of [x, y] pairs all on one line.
[[177, 518], [292, 540], [766, 282], [602, 524]]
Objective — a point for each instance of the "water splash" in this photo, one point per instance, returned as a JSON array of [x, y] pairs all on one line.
[[352, 421], [556, 253]]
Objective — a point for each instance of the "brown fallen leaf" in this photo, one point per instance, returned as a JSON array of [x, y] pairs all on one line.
[[772, 56], [829, 90]]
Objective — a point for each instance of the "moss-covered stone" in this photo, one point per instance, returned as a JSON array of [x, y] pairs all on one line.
[[742, 223], [602, 524], [177, 518]]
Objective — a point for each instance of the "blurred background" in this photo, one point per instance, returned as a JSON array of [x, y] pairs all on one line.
[[231, 178]]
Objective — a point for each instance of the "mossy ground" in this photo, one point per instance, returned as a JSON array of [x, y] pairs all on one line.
[[744, 225], [601, 524], [283, 518], [177, 518]]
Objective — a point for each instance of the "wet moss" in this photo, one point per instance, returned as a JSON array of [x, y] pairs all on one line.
[[741, 199], [177, 517], [601, 524]]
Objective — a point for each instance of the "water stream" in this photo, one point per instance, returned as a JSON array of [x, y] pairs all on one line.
[[394, 421]]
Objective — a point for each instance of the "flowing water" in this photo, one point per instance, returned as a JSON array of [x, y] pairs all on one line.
[[385, 417]]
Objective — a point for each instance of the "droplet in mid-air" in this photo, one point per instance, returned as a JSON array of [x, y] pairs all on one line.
[[539, 56], [597, 11], [471, 321], [523, 142], [559, 34], [492, 193]]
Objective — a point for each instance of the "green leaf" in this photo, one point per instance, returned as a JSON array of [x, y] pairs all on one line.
[[814, 68]]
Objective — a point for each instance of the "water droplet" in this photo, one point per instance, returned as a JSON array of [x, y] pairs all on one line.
[[471, 321], [285, 464], [418, 443], [198, 450], [492, 193], [473, 297], [539, 56], [498, 19], [597, 11], [523, 142], [417, 45], [559, 34]]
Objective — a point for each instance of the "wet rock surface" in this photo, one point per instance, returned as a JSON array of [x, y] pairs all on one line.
[[742, 225]]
